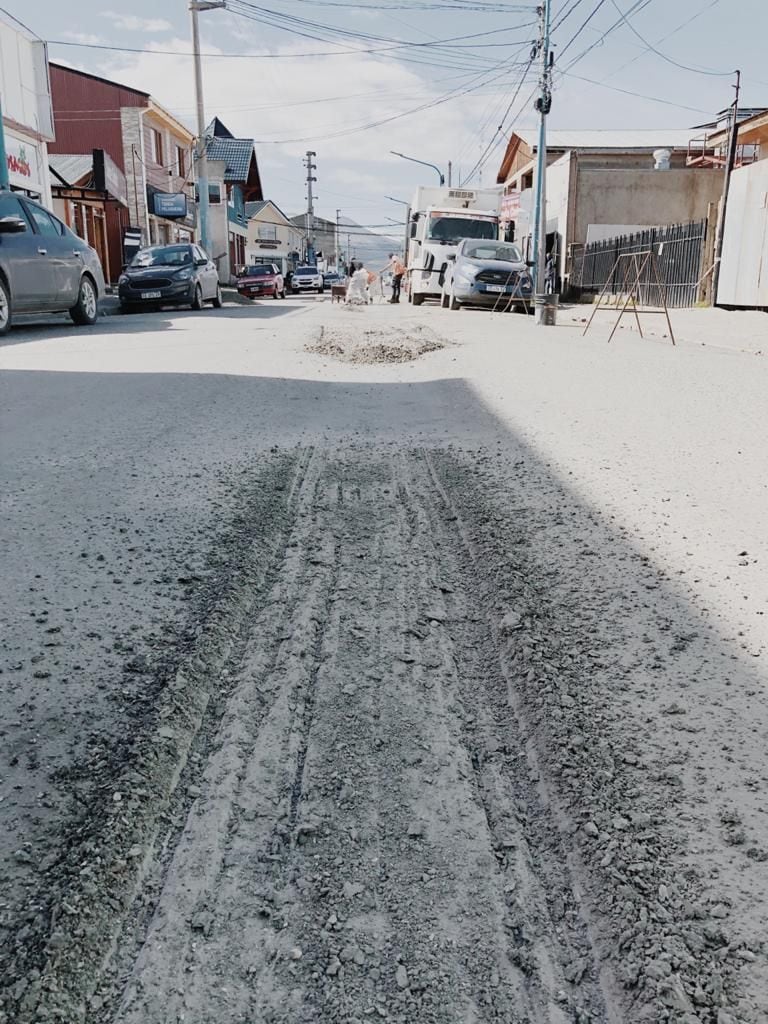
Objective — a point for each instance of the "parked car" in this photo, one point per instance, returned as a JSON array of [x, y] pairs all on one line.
[[307, 279], [261, 279], [44, 267], [164, 275], [484, 272], [331, 277]]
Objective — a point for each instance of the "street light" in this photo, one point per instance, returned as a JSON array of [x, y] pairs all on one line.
[[424, 163], [195, 6]]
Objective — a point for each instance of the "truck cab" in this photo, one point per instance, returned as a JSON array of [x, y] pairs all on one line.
[[440, 219]]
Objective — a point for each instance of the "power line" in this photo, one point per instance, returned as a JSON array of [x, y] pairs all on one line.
[[487, 151], [639, 95], [680, 27], [581, 28], [669, 60], [637, 6], [377, 124]]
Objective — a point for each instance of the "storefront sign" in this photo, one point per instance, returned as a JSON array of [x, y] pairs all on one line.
[[170, 204], [22, 163], [510, 205]]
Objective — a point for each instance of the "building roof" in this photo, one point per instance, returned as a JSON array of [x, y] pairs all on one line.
[[251, 209], [750, 130], [236, 155], [593, 140], [98, 78], [218, 129], [71, 168], [624, 140]]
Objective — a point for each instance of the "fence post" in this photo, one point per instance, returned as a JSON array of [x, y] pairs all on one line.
[[705, 286]]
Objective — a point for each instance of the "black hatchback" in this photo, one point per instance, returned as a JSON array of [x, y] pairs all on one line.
[[164, 275]]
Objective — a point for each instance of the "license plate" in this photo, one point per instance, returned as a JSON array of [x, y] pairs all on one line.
[[497, 288], [151, 295]]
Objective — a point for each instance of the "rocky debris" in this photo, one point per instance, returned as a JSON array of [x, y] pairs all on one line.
[[353, 343]]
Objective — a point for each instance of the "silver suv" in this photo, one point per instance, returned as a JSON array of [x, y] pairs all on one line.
[[307, 279]]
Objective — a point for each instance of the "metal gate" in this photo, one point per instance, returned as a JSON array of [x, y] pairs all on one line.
[[679, 250]]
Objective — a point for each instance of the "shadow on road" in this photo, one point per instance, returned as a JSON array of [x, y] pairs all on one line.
[[39, 326], [620, 681]]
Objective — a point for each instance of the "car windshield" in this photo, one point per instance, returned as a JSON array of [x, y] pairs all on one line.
[[259, 271], [163, 256], [306, 270], [484, 251], [452, 229]]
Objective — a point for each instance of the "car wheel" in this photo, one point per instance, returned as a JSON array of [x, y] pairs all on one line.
[[444, 300], [452, 303], [217, 302], [85, 311], [418, 299], [5, 308], [197, 301]]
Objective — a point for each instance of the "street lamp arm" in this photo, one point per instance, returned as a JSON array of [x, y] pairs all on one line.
[[424, 163]]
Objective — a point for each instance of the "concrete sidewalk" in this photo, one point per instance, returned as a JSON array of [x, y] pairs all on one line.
[[736, 330]]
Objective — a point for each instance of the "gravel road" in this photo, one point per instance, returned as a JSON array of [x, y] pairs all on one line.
[[355, 669]]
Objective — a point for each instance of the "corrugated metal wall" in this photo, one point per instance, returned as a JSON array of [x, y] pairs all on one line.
[[744, 270], [87, 113]]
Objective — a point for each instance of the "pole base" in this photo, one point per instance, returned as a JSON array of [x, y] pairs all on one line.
[[545, 310]]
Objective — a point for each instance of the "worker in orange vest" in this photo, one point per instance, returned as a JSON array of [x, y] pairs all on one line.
[[398, 270]]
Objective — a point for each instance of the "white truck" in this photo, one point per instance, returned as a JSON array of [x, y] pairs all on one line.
[[440, 217]]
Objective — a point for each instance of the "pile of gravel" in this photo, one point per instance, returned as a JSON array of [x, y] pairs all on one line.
[[352, 343]]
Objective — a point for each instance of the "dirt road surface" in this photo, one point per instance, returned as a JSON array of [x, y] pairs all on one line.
[[382, 664]]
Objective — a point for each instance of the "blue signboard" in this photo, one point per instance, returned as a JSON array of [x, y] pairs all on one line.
[[170, 204]]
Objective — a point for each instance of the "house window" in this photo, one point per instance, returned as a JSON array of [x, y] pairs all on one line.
[[267, 232], [156, 146], [214, 194], [181, 162]]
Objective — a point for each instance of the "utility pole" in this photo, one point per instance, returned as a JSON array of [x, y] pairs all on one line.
[[543, 105], [4, 178], [729, 166], [338, 255], [195, 6], [450, 173], [310, 222]]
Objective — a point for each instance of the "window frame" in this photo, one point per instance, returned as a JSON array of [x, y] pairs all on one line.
[[156, 145], [33, 210]]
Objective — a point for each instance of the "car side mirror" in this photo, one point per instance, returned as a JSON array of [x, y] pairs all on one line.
[[12, 225]]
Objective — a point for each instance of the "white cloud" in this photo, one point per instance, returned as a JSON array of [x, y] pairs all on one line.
[[266, 99], [86, 38], [131, 23]]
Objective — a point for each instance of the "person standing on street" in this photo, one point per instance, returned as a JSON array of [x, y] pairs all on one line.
[[398, 270]]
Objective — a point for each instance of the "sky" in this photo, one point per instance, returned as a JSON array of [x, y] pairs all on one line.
[[302, 86]]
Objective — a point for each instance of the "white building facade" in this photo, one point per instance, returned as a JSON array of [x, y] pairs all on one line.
[[25, 95]]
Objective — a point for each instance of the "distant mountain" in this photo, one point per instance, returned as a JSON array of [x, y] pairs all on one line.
[[370, 246]]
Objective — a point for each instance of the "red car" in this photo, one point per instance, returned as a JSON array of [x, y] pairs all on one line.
[[261, 279]]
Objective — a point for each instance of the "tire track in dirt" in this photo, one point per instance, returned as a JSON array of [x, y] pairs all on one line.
[[376, 861], [109, 858]]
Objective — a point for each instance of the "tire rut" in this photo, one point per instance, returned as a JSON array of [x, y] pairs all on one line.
[[366, 838]]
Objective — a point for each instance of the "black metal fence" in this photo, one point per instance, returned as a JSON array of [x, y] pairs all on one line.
[[678, 260]]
